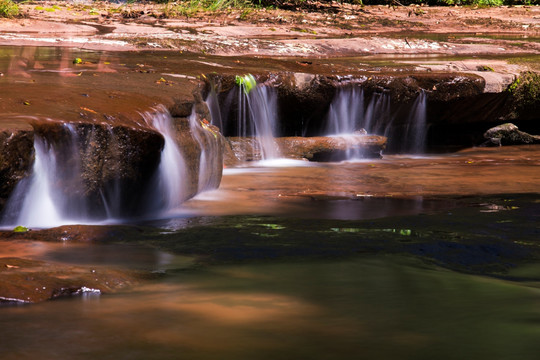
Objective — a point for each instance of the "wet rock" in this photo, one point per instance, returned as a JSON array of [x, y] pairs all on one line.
[[202, 146], [524, 99], [76, 233], [317, 148], [335, 148], [509, 134], [96, 161], [16, 154], [30, 281]]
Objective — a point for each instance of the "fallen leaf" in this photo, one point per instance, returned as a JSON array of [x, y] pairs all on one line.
[[89, 110]]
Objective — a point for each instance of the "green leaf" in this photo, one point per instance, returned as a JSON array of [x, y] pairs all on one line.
[[21, 229]]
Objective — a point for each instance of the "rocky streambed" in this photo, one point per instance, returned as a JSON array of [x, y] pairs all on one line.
[[468, 70]]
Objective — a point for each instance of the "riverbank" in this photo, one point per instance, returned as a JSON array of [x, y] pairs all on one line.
[[337, 30]]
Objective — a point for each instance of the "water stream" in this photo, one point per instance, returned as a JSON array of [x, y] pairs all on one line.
[[352, 111], [52, 194], [169, 188], [404, 257], [248, 114]]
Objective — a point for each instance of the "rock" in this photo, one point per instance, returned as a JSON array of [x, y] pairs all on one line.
[[31, 281], [317, 148], [331, 148], [16, 154], [95, 161], [509, 134]]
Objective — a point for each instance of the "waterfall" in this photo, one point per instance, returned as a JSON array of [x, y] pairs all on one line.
[[32, 203], [346, 112], [170, 185], [45, 198], [249, 111], [57, 192], [208, 162], [416, 126], [351, 110]]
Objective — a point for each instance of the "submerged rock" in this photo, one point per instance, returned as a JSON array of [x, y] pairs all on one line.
[[509, 134], [332, 148], [317, 148], [31, 281]]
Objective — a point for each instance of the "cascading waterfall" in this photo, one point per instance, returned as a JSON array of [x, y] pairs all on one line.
[[53, 194], [207, 162], [45, 198], [351, 111], [416, 126], [33, 200], [170, 189], [255, 111]]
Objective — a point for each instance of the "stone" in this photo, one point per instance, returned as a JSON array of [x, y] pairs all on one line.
[[31, 281], [509, 134], [16, 156], [316, 148], [331, 148]]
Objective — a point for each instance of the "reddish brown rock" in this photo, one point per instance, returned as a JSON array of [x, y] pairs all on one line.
[[317, 148], [30, 281]]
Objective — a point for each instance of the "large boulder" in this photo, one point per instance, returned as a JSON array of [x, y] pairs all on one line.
[[509, 134]]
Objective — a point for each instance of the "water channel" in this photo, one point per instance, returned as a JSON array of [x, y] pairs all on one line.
[[413, 255]]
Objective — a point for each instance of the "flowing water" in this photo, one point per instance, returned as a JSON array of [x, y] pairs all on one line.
[[404, 257], [41, 200], [256, 116], [352, 111], [169, 186]]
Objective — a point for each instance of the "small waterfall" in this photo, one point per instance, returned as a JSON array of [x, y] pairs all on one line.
[[33, 202], [346, 112], [416, 126], [203, 134], [170, 185], [252, 108], [46, 198], [352, 111], [58, 193]]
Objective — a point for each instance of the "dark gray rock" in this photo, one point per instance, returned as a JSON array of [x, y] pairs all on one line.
[[509, 134]]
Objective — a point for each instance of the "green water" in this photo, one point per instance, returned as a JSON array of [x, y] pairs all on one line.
[[459, 283], [383, 307]]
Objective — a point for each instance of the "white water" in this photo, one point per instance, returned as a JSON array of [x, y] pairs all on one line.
[[46, 197], [38, 208], [207, 163], [41, 200], [262, 105], [256, 116], [171, 190], [416, 127], [351, 111]]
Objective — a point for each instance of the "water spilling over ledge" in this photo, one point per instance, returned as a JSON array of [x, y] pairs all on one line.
[[87, 173], [117, 154]]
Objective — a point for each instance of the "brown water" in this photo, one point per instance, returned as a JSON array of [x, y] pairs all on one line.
[[323, 272], [431, 257], [393, 185]]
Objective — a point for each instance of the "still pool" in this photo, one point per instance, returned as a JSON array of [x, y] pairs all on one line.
[[384, 307]]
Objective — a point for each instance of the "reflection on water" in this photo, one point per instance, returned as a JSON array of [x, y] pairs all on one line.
[[383, 308]]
